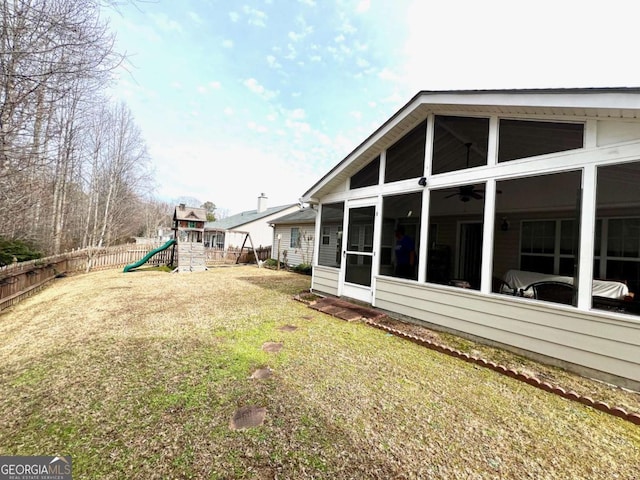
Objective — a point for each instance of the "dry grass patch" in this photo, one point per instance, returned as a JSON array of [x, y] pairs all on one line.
[[138, 375], [585, 387]]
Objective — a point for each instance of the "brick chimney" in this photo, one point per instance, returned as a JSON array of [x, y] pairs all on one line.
[[262, 203]]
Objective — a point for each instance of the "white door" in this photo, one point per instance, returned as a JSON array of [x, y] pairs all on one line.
[[357, 256]]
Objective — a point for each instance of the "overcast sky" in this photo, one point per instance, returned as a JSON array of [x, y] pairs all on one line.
[[236, 98]]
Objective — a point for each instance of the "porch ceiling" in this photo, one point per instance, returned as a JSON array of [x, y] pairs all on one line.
[[555, 104]]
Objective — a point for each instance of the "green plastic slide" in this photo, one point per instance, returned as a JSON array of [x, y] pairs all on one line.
[[146, 258]]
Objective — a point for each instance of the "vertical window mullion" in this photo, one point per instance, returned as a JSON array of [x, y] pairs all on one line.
[[586, 238], [556, 247], [604, 245], [486, 271]]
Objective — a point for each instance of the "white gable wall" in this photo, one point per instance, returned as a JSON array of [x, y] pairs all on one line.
[[260, 230]]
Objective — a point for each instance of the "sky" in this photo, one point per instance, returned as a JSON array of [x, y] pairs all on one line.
[[236, 98]]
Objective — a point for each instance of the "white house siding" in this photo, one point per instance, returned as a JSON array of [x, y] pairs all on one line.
[[553, 331], [325, 280], [260, 236], [295, 256]]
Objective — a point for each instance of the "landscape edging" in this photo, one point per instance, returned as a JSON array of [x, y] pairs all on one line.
[[533, 381]]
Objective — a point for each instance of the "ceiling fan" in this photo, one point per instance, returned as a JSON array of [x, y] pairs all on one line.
[[467, 192]]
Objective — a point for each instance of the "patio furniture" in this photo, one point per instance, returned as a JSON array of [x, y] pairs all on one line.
[[550, 291], [628, 305], [521, 279], [498, 285]]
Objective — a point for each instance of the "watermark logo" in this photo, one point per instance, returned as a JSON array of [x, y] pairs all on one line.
[[35, 468]]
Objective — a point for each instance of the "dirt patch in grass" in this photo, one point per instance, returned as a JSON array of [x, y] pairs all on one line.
[[138, 376], [248, 417], [262, 373], [272, 347], [288, 328]]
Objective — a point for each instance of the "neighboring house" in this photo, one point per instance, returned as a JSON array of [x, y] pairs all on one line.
[[498, 191], [294, 234], [230, 231]]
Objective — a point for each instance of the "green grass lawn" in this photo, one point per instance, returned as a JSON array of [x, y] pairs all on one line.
[[138, 375]]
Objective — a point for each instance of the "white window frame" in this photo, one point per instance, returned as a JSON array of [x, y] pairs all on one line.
[[604, 245], [326, 235], [556, 255]]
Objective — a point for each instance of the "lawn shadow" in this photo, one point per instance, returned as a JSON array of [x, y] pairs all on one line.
[[302, 440], [288, 284]]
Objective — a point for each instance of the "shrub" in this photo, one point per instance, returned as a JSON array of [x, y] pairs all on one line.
[[303, 268], [17, 249], [270, 263]]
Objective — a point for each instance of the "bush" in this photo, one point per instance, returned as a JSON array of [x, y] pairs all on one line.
[[303, 268], [17, 250], [270, 263]]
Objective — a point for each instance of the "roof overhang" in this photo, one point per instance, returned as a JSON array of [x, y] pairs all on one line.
[[565, 103]]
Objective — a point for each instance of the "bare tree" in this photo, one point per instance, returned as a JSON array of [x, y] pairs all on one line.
[[156, 214], [54, 56], [121, 173], [73, 170], [73, 166]]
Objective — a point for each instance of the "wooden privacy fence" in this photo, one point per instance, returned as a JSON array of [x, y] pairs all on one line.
[[19, 280]]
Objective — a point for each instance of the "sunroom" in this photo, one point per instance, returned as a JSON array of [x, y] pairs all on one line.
[[522, 209]]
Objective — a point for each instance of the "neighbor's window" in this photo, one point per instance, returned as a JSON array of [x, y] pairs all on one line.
[[326, 235], [294, 242], [526, 138], [367, 176], [405, 159], [401, 224], [331, 218], [459, 143], [192, 224]]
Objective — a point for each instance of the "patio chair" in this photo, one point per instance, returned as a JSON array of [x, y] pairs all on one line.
[[550, 291], [498, 285], [610, 304]]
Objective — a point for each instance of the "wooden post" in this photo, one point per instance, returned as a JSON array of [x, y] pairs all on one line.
[[279, 237]]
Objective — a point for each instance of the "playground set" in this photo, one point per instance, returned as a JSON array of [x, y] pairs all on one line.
[[188, 242]]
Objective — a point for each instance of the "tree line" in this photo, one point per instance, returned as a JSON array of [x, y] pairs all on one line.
[[74, 168]]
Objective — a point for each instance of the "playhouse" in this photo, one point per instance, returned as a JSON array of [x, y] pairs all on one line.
[[188, 236], [188, 226]]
